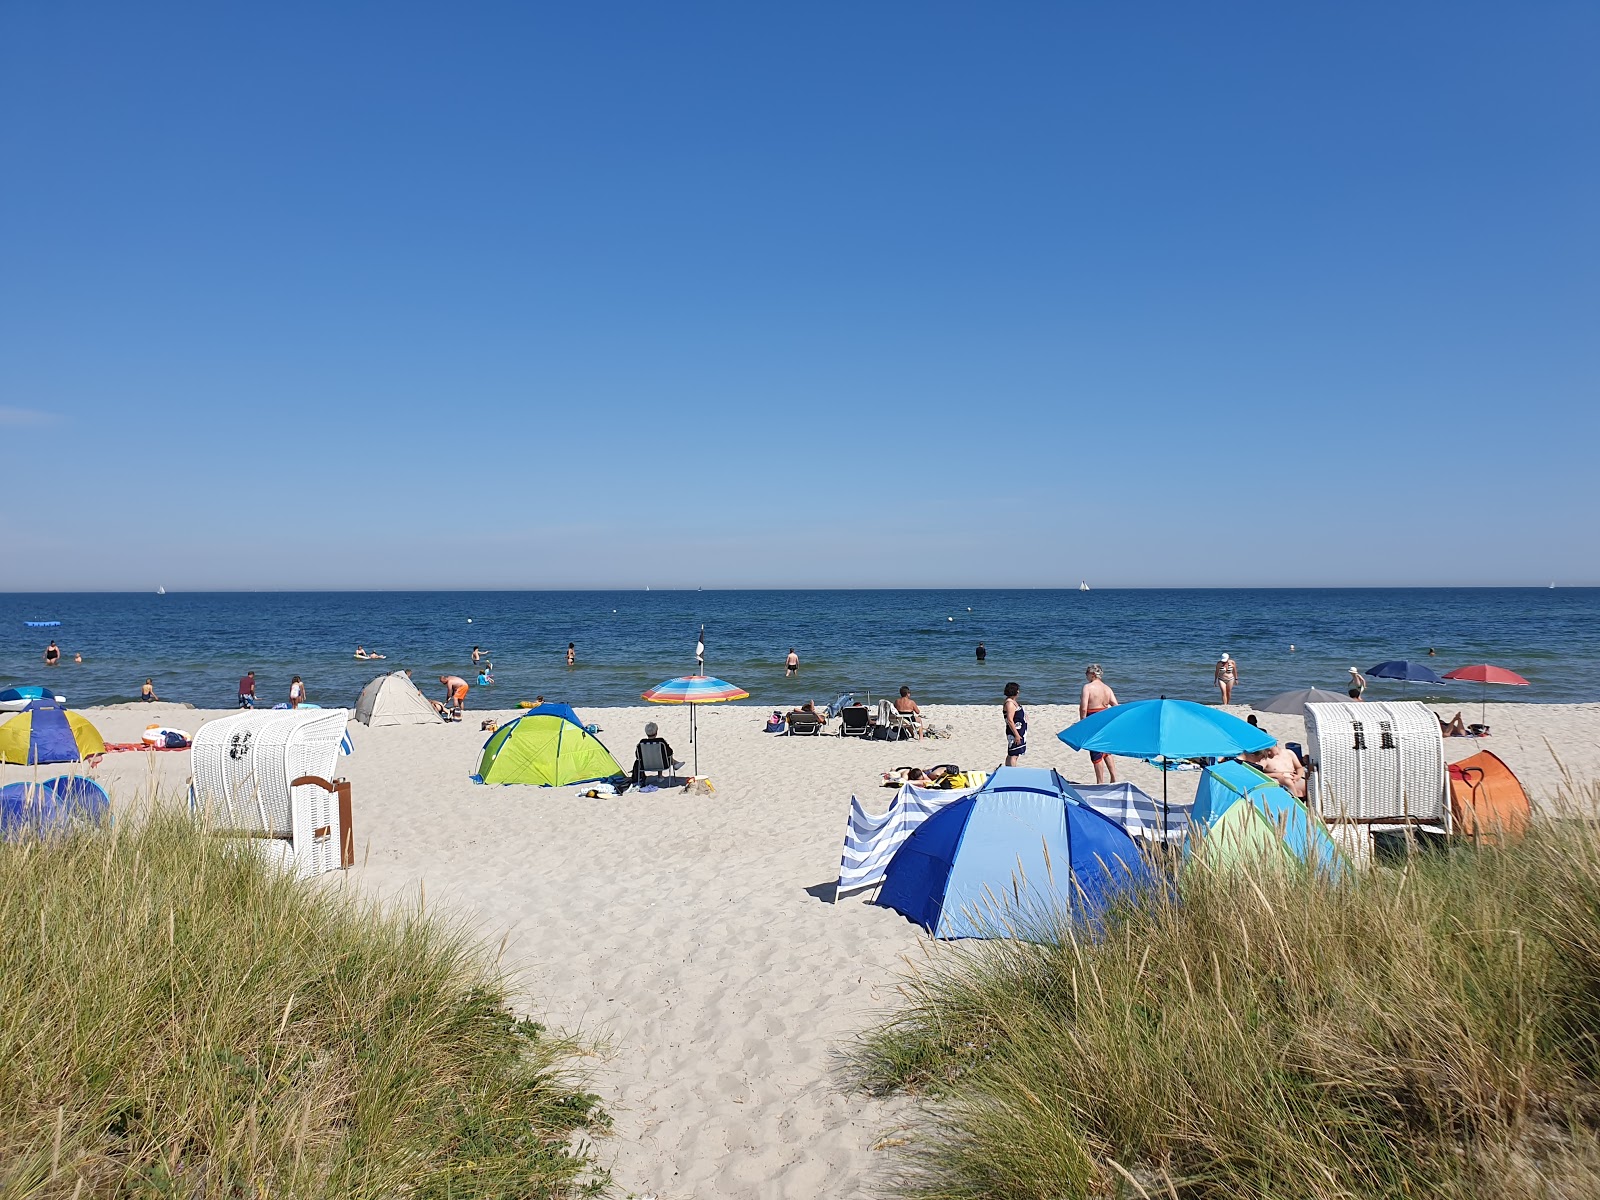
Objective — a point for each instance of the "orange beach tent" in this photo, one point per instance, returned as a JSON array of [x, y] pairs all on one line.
[[1486, 800]]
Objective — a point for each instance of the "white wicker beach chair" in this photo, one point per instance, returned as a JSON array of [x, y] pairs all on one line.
[[1377, 764], [269, 776]]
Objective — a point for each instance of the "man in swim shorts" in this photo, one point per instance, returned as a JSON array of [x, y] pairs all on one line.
[[247, 690], [1097, 697], [455, 692], [791, 665]]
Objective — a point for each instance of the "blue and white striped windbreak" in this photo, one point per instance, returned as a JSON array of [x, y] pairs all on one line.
[[871, 840], [1138, 814]]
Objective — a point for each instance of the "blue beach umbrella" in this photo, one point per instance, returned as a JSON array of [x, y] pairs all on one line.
[[1399, 668], [1166, 729]]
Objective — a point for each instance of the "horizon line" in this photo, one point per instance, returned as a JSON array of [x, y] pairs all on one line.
[[1265, 587]]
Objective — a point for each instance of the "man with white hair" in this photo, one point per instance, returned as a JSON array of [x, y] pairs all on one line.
[[653, 755]]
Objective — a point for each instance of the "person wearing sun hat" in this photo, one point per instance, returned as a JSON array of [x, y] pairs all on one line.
[[1225, 676], [1358, 683]]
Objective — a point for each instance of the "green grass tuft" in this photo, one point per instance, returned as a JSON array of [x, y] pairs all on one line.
[[1428, 1031], [177, 1018]]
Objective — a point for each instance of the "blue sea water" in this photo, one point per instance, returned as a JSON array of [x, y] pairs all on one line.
[[1150, 642]]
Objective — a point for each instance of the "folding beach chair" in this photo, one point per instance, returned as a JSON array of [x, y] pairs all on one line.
[[651, 757], [855, 721], [809, 724]]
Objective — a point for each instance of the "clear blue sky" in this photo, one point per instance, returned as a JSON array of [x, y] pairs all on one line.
[[378, 295]]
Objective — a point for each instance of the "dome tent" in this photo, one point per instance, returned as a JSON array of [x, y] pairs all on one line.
[[55, 806], [48, 733], [1014, 853], [548, 747], [393, 699], [1241, 816]]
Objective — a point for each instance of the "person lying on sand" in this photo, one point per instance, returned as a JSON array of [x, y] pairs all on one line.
[[1455, 727], [918, 777], [1283, 767]]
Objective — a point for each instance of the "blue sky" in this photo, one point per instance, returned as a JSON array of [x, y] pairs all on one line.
[[593, 295]]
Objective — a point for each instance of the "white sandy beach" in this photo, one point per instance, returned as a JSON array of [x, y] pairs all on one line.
[[695, 935]]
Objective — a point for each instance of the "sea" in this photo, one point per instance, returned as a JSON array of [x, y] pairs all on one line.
[[1149, 642]]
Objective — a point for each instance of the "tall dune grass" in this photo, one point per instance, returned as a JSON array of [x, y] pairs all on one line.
[[178, 1019], [1431, 1030]]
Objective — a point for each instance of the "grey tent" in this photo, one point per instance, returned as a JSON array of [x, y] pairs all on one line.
[[394, 700]]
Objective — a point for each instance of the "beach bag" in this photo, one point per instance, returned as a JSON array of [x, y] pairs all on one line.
[[775, 723], [174, 740]]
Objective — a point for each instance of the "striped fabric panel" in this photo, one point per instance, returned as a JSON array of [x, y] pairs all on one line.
[[870, 840], [1135, 811]]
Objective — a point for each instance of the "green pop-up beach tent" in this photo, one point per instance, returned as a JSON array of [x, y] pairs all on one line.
[[548, 747], [1241, 816]]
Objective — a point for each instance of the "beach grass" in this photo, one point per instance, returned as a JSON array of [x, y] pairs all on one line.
[[177, 1018], [1431, 1029]]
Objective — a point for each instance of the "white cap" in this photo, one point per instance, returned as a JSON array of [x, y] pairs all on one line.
[[1355, 671], [1224, 656]]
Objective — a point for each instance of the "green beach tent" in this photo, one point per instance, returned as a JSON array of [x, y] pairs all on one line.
[[548, 747], [1241, 816]]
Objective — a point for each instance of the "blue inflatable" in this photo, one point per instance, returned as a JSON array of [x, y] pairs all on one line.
[[1014, 856]]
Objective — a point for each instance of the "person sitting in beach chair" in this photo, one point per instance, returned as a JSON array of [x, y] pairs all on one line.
[[652, 756], [910, 714], [806, 719]]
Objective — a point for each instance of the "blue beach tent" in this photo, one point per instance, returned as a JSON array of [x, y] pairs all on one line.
[[53, 806], [1019, 849]]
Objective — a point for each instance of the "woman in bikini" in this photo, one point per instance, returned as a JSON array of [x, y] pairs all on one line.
[[1016, 725], [1225, 676], [1097, 697]]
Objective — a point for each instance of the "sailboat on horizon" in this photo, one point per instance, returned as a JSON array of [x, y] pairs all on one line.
[[161, 591], [1083, 585]]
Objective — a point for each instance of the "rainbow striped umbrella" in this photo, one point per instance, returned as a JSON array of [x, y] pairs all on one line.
[[694, 690]]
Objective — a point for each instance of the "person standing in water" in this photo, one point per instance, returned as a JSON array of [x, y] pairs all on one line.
[[982, 653], [1097, 697], [52, 654], [572, 654], [1016, 725], [1225, 676], [297, 693], [791, 665]]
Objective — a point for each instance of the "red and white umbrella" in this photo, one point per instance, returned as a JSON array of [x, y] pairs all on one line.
[[1485, 673]]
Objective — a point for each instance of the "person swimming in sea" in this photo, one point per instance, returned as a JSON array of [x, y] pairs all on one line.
[[361, 652]]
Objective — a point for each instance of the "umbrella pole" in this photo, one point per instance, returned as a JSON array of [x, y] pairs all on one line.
[[694, 741], [1164, 774]]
